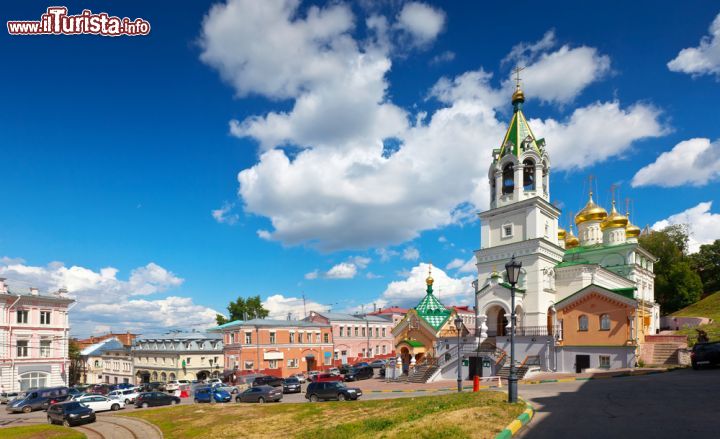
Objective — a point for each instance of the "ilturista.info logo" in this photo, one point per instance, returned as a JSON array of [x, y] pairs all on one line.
[[56, 21]]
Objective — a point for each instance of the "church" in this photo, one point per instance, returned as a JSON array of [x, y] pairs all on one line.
[[582, 302]]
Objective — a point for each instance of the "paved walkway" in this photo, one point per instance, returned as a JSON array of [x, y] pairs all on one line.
[[120, 427]]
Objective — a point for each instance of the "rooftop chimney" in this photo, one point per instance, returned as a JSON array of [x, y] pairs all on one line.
[[34, 291]]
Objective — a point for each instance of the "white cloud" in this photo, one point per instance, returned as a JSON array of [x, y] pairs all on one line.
[[343, 270], [279, 306], [360, 261], [701, 60], [421, 21], [411, 254], [695, 162], [385, 254], [340, 190], [224, 215], [442, 239], [462, 266], [596, 133], [443, 57], [105, 300], [557, 76], [370, 275], [312, 275], [450, 291], [704, 225]]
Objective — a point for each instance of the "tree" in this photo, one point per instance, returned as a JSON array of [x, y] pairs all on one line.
[[677, 285], [707, 264], [75, 362], [244, 309]]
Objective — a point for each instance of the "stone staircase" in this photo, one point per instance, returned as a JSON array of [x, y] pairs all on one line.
[[665, 354], [422, 373], [504, 372]]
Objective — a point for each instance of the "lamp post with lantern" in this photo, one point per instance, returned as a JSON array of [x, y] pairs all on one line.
[[512, 270], [458, 327]]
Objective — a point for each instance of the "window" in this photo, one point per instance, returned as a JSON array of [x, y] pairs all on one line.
[[377, 332], [384, 348], [44, 317], [326, 337], [336, 356], [22, 316], [383, 332], [187, 361], [507, 230], [248, 365], [33, 380], [582, 323], [341, 331], [232, 337], [45, 347], [363, 332], [273, 364], [605, 322], [248, 337], [292, 337], [272, 338], [300, 337], [356, 331], [22, 348], [528, 175], [508, 179], [604, 361], [293, 363]]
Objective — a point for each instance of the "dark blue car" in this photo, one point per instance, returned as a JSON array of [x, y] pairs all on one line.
[[202, 394]]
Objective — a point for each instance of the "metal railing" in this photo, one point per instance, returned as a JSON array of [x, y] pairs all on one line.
[[529, 331]]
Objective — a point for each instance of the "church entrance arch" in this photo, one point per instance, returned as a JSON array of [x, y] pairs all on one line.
[[497, 321]]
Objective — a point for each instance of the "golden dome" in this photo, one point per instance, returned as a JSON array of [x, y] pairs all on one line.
[[591, 212], [571, 240], [614, 220], [561, 234], [518, 96], [631, 230], [429, 280]]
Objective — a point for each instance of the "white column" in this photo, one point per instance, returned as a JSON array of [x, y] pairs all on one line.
[[518, 178], [483, 328], [498, 185]]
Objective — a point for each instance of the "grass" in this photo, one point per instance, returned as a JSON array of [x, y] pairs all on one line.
[[708, 307], [465, 415], [40, 432]]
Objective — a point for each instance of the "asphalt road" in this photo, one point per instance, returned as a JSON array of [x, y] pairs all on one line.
[[679, 404]]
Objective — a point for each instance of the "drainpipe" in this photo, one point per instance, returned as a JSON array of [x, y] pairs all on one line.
[[257, 345], [10, 354], [66, 349], [367, 329]]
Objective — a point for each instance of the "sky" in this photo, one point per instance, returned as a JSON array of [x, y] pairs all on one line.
[[331, 150]]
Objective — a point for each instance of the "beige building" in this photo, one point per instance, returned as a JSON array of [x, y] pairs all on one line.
[[177, 356], [117, 366]]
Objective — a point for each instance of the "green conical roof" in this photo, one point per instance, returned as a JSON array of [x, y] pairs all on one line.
[[518, 132], [431, 310]]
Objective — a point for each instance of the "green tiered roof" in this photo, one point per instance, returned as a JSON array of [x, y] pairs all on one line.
[[519, 131], [430, 308]]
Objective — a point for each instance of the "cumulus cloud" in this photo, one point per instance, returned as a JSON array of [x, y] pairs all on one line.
[[598, 132], [280, 306], [105, 300], [312, 275], [695, 162], [443, 57], [224, 215], [462, 266], [703, 59], [557, 76], [704, 226], [421, 21], [450, 290], [343, 270], [386, 254], [340, 189], [411, 254]]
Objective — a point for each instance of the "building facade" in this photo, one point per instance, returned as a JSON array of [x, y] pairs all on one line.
[[93, 366], [177, 356], [276, 347], [394, 313], [126, 338], [357, 337], [118, 366], [34, 333]]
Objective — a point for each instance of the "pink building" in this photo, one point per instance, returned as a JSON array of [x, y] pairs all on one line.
[[33, 339], [356, 337], [394, 313]]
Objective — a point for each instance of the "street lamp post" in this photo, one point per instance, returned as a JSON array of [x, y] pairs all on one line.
[[458, 326], [512, 269]]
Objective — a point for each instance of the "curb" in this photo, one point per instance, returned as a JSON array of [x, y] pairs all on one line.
[[619, 375], [518, 423], [442, 389]]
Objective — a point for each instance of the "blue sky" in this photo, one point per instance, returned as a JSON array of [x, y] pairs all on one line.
[[237, 149]]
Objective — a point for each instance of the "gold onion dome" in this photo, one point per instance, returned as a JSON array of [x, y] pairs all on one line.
[[561, 234], [571, 241], [429, 280], [591, 212], [614, 220], [518, 96], [631, 230]]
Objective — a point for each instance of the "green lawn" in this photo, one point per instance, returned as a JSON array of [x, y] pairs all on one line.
[[40, 432], [708, 307], [465, 415]]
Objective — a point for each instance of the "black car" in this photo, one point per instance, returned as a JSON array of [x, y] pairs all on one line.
[[152, 399], [359, 373], [705, 354], [331, 390], [260, 394], [378, 364], [345, 368], [69, 414], [267, 380], [291, 385]]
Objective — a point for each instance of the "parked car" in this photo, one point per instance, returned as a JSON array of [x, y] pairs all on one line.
[[326, 377], [291, 385], [300, 376], [153, 399], [212, 381], [69, 414], [100, 403], [332, 390], [361, 364], [378, 364], [77, 396], [705, 354], [203, 394], [359, 373], [154, 386], [312, 373], [229, 389], [172, 385], [99, 389], [125, 395], [5, 397], [38, 399], [260, 394], [344, 368], [334, 371], [267, 380]]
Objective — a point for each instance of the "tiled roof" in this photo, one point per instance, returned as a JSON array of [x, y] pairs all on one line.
[[344, 317], [98, 348], [270, 323], [432, 311], [180, 336]]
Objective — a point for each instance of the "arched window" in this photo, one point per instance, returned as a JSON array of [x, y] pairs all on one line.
[[508, 179], [32, 380], [529, 175], [604, 322], [582, 323]]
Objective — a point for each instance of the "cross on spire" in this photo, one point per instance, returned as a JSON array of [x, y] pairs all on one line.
[[517, 71]]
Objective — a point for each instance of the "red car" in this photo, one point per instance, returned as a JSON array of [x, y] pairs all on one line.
[[326, 377]]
